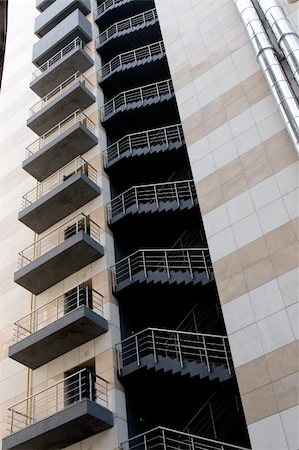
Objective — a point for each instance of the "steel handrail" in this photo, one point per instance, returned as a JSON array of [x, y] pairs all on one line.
[[77, 42], [81, 223], [141, 93], [58, 397], [158, 192], [148, 250], [57, 178], [58, 90], [166, 330], [126, 24], [148, 138], [32, 322], [62, 126], [130, 56], [220, 445], [106, 6]]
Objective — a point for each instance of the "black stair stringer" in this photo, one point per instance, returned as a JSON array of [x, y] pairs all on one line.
[[159, 277], [172, 366]]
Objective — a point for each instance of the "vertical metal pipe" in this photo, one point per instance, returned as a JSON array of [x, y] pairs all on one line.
[[284, 32], [271, 67]]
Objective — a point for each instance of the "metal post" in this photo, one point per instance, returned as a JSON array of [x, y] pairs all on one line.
[[205, 264], [78, 296], [156, 196], [11, 421], [56, 398], [137, 351], [90, 385], [190, 265], [144, 264], [180, 350], [145, 443], [226, 356], [136, 197], [167, 265], [129, 267], [154, 347], [80, 386], [190, 191], [192, 444], [164, 439], [177, 194], [119, 359], [206, 353]]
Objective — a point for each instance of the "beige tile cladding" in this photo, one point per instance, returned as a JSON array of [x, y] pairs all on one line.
[[15, 100], [243, 165]]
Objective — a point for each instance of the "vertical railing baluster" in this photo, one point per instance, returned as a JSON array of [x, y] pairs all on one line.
[[224, 341], [205, 264], [206, 353], [137, 351], [130, 268], [154, 347], [164, 439], [156, 196], [177, 194], [190, 264], [144, 264], [180, 350], [167, 264]]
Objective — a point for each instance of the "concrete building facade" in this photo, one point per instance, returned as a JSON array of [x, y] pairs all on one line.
[[149, 250]]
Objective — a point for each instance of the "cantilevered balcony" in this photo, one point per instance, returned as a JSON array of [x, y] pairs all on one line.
[[75, 25], [151, 102], [161, 266], [59, 195], [56, 12], [67, 412], [175, 352], [143, 63], [114, 10], [59, 254], [75, 56], [152, 198], [138, 29], [154, 141], [69, 138], [75, 92], [165, 438], [58, 326], [41, 5]]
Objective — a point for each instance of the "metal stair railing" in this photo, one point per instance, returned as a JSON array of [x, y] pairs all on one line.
[[130, 96], [143, 139], [163, 438], [126, 25], [132, 56], [57, 308], [207, 348], [51, 240], [76, 43], [57, 178], [205, 419], [75, 388], [105, 6], [145, 260], [158, 193], [76, 117], [66, 84]]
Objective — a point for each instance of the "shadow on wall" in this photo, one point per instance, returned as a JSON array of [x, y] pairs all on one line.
[[3, 29]]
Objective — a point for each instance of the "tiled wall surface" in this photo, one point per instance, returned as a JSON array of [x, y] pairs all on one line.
[[246, 174], [15, 100]]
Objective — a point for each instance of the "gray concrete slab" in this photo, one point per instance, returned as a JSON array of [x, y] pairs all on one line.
[[73, 424], [57, 204], [67, 258], [73, 142], [75, 97], [74, 25], [75, 60], [56, 12], [68, 332]]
